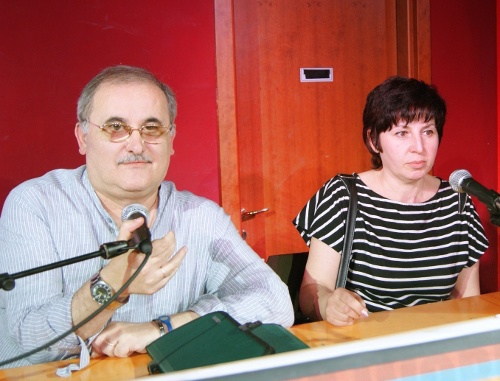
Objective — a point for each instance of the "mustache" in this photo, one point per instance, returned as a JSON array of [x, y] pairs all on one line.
[[135, 158]]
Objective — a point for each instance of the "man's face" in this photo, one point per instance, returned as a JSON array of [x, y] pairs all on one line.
[[130, 170]]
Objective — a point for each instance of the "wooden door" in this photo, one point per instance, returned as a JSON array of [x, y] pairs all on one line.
[[280, 138]]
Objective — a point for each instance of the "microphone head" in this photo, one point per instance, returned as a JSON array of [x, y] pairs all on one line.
[[131, 209], [456, 179]]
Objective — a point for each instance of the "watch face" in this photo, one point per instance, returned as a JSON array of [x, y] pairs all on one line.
[[101, 292]]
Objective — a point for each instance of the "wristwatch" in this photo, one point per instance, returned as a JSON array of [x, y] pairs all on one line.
[[101, 292], [166, 320]]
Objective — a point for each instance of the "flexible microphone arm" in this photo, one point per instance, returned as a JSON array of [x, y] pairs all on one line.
[[87, 319], [106, 251]]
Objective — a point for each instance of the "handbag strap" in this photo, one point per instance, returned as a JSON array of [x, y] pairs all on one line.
[[345, 258]]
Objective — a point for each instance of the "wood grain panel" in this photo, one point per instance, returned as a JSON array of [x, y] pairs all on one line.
[[297, 135], [293, 136], [226, 109], [317, 334], [413, 38]]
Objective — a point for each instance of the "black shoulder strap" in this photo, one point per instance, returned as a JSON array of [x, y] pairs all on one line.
[[345, 258], [462, 198]]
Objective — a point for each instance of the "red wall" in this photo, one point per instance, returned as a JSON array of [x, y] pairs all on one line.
[[464, 69], [50, 49]]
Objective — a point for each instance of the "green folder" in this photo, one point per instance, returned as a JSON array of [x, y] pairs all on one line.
[[217, 338]]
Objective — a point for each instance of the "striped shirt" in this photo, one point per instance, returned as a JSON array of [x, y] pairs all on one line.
[[402, 254], [59, 216]]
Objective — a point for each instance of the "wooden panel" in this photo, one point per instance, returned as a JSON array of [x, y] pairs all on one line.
[[413, 38], [228, 142], [317, 334], [297, 135], [293, 136], [322, 333]]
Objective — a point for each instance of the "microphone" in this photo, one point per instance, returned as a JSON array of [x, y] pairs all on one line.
[[141, 238], [461, 181]]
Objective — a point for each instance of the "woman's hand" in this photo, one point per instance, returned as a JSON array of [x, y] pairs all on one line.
[[344, 307]]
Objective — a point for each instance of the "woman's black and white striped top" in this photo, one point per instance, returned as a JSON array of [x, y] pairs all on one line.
[[403, 254]]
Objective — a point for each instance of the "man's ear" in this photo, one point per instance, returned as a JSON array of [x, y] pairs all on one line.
[[172, 136], [81, 138]]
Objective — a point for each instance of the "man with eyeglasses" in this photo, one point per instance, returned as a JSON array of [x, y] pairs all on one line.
[[198, 264]]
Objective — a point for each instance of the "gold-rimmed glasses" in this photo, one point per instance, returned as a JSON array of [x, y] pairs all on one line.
[[117, 131]]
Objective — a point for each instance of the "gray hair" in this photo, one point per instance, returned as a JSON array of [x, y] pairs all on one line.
[[121, 74]]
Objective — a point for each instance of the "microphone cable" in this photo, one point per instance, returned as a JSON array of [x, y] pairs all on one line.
[[83, 322]]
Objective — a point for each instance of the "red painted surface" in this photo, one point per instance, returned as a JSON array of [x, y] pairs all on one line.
[[50, 50], [464, 69]]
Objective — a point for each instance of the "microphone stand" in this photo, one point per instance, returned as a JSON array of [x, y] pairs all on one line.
[[106, 251]]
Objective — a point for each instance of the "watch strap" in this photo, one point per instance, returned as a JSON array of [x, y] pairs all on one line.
[[165, 319], [96, 278], [115, 304], [160, 326]]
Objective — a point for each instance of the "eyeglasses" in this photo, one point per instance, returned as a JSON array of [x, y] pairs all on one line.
[[119, 132]]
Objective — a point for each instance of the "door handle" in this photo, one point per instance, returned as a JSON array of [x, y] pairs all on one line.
[[245, 216]]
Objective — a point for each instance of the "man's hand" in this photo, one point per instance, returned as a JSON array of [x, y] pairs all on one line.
[[160, 268], [122, 339]]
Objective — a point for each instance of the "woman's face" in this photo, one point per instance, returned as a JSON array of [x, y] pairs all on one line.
[[408, 150]]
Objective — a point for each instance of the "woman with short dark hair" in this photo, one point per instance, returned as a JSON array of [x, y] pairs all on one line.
[[415, 241]]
